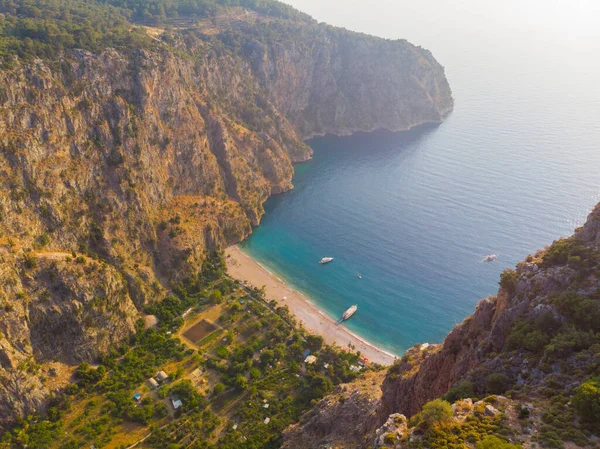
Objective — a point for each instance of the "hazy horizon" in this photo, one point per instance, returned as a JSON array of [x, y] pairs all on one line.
[[558, 34]]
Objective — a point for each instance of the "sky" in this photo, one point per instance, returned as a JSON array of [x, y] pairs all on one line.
[[555, 43], [567, 24]]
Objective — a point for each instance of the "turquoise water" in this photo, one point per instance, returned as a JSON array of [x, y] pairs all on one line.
[[516, 165]]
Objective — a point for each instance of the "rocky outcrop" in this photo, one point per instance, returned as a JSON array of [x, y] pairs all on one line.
[[342, 420], [54, 310], [394, 429]]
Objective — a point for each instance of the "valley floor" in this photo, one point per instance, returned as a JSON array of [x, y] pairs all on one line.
[[242, 266]]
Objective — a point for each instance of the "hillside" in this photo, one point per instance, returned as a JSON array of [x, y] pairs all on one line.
[[234, 361], [522, 368], [136, 137]]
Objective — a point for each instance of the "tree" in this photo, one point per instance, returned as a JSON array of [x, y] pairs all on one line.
[[315, 342], [508, 279], [241, 382], [190, 398], [267, 357], [437, 411], [255, 374], [318, 385], [216, 297], [89, 375], [218, 388], [461, 390], [496, 383], [587, 400], [160, 410]]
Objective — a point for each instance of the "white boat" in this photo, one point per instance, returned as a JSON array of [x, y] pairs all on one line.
[[490, 258], [359, 276], [348, 313], [325, 260]]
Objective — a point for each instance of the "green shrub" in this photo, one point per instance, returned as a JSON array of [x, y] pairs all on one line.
[[461, 390], [524, 412], [436, 411], [160, 410], [508, 279], [223, 352], [581, 310], [492, 442], [218, 388], [587, 400], [216, 297], [389, 438], [30, 261], [315, 342], [565, 251], [534, 335], [43, 240], [496, 383], [570, 340]]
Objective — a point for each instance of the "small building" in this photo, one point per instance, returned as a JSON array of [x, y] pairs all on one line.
[[152, 383], [310, 359], [137, 397], [354, 368], [326, 365], [267, 420], [161, 376], [176, 403], [265, 405]]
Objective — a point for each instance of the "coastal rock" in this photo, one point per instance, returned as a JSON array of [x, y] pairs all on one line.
[[392, 431], [341, 420]]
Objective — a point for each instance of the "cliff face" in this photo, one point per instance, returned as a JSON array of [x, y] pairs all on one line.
[[337, 82], [537, 340], [138, 162], [55, 312]]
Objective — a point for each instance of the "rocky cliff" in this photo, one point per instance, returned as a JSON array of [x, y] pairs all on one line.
[[537, 342], [120, 168]]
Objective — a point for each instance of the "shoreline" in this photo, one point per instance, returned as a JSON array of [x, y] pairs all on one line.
[[243, 267]]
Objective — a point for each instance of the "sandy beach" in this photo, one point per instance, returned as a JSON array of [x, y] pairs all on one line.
[[243, 267]]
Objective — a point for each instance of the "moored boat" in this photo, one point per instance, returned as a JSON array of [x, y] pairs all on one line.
[[348, 313], [490, 257], [325, 260]]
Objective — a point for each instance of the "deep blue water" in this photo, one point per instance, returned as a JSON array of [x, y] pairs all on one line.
[[515, 166]]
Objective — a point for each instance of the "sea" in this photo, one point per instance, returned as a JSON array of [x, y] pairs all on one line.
[[515, 166]]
